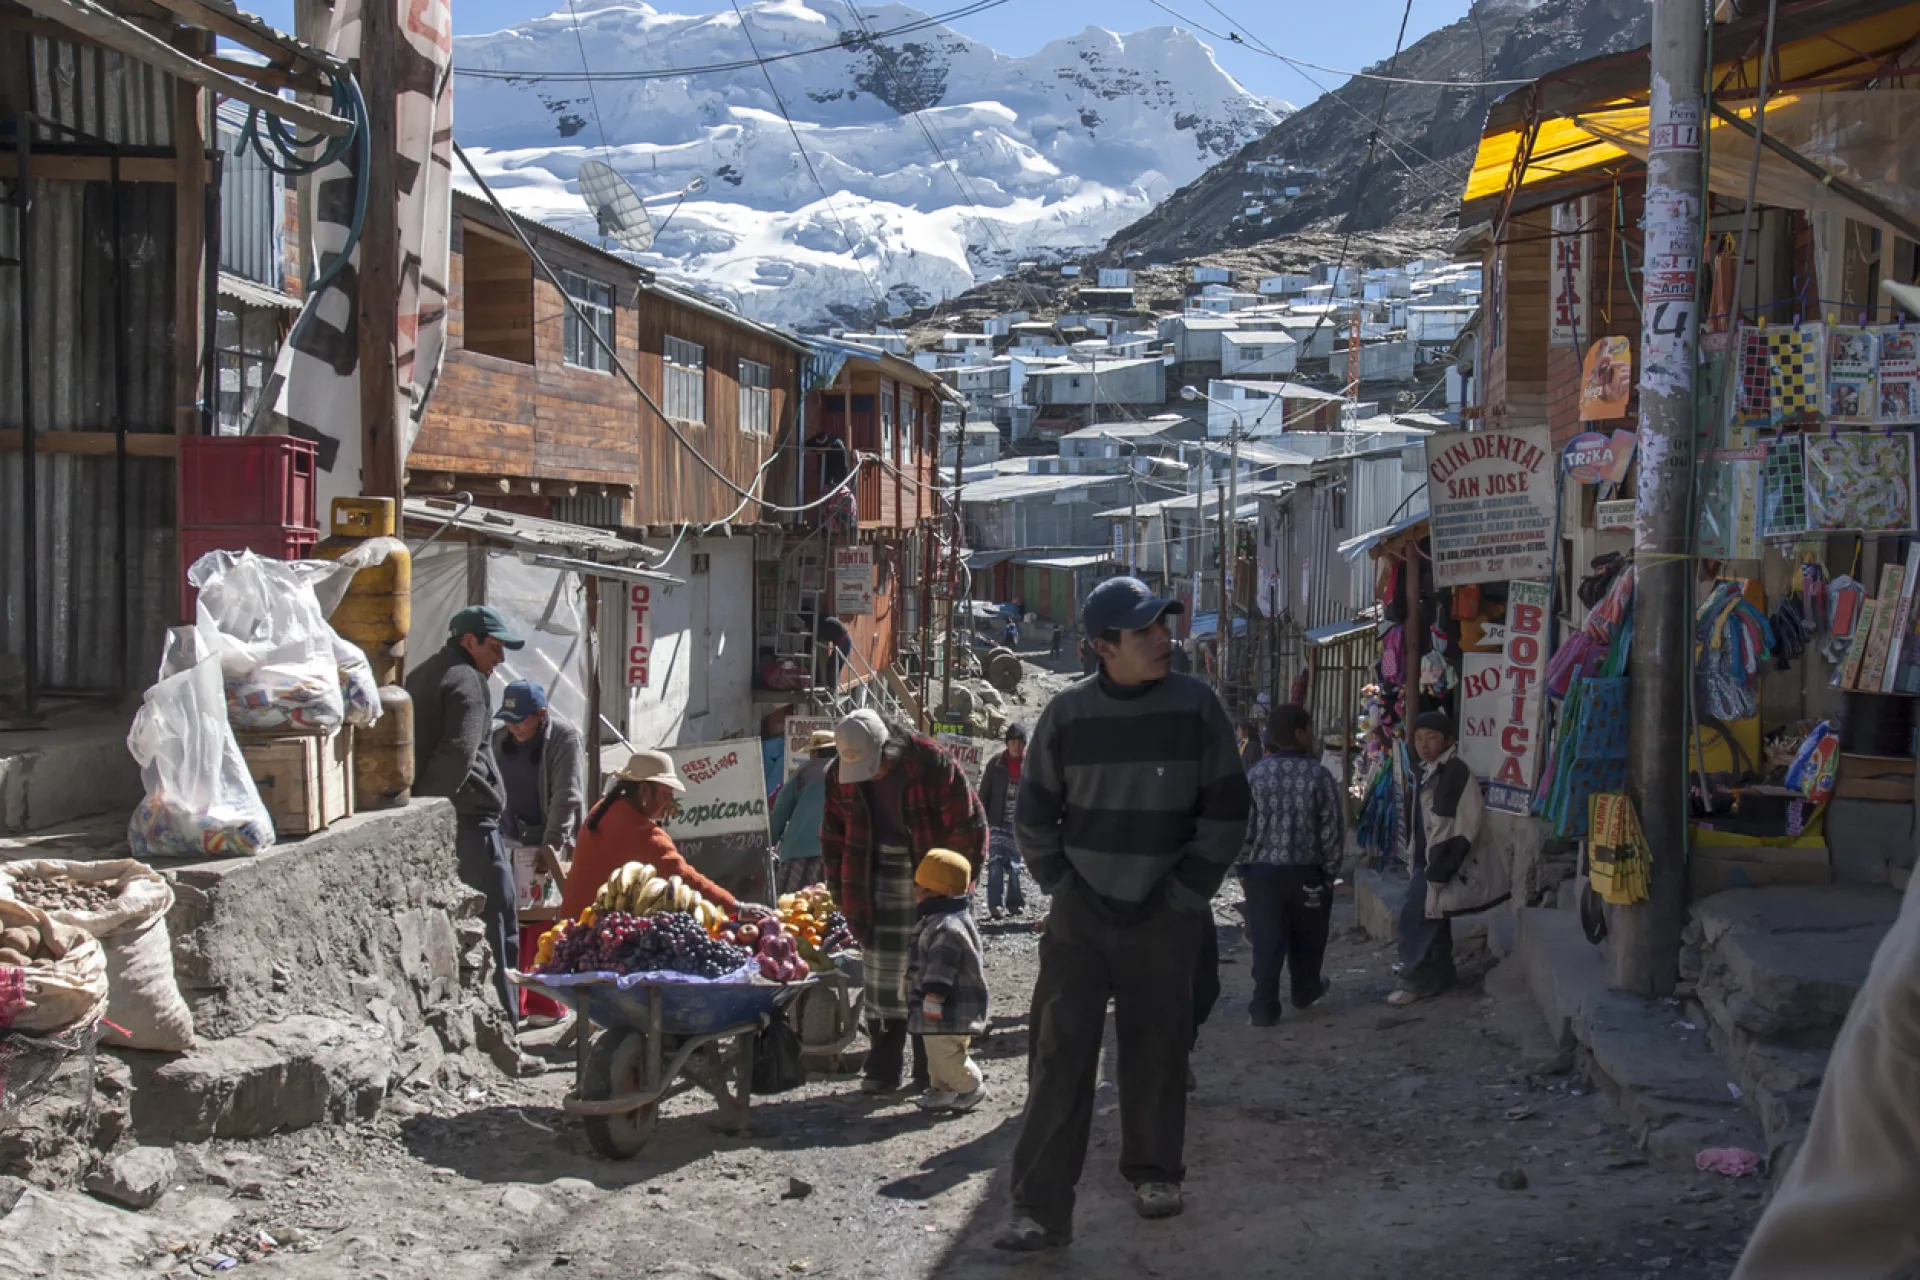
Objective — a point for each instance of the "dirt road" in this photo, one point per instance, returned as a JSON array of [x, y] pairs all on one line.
[[1353, 1141]]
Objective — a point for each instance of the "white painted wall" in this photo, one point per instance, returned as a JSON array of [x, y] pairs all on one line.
[[700, 687]]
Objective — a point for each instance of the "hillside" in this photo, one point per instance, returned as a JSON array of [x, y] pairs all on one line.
[[1426, 146], [1054, 152]]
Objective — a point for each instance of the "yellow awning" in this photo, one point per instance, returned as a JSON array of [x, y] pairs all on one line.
[[1567, 124]]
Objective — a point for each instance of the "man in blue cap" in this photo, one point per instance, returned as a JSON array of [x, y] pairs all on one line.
[[452, 713], [1132, 808]]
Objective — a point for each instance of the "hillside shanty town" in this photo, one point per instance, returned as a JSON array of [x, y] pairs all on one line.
[[795, 640]]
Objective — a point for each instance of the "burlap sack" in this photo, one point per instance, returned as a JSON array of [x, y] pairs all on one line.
[[57, 991], [144, 1006]]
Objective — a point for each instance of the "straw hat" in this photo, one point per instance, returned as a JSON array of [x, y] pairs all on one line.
[[652, 766], [820, 740]]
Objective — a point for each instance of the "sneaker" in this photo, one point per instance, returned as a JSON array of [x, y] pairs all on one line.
[[997, 913], [964, 1102], [936, 1100], [1024, 1235], [1158, 1200], [1403, 997]]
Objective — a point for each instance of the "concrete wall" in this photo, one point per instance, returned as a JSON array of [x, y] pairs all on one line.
[[700, 686]]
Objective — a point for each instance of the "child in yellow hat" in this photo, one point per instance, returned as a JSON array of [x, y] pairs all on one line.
[[947, 982]]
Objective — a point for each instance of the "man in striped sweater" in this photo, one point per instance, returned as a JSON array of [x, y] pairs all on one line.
[[1132, 807]]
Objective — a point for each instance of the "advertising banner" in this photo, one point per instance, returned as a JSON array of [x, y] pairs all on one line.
[[971, 754], [1490, 495], [720, 822], [853, 580]]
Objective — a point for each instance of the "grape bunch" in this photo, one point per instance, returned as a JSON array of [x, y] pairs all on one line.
[[838, 936], [577, 950], [674, 940]]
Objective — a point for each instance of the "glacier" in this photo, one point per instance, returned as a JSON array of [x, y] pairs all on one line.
[[945, 162]]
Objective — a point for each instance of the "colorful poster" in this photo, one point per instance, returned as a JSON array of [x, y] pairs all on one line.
[[1606, 380], [1851, 361], [1797, 373], [1491, 499], [853, 580], [1592, 458], [1898, 361], [1860, 481]]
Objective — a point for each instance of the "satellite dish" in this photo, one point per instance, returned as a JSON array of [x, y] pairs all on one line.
[[623, 219]]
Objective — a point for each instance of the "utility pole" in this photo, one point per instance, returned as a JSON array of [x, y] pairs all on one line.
[[1230, 531], [1222, 621], [1646, 951], [1133, 524], [383, 453], [953, 570]]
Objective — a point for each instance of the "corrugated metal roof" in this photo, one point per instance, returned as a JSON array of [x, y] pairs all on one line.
[[236, 289], [524, 531], [1002, 488], [1042, 560]]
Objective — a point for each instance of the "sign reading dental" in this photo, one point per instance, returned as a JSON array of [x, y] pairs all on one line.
[[1490, 502], [719, 823], [853, 580]]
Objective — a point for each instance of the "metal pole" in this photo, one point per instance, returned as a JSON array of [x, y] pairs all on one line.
[[1222, 631], [1133, 523], [29, 496], [210, 304], [122, 638], [592, 584], [1229, 530], [1646, 954], [953, 568]]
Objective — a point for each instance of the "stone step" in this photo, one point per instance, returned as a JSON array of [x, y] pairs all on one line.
[[1786, 961], [1378, 897], [78, 769]]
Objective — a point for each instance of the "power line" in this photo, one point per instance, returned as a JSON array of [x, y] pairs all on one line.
[[879, 298], [713, 68], [1261, 47], [593, 98]]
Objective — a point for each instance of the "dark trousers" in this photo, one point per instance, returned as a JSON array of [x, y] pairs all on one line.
[[1206, 978], [1289, 912], [887, 1045], [1146, 967], [1426, 946], [486, 869]]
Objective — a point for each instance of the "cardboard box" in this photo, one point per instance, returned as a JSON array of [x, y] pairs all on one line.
[[305, 779]]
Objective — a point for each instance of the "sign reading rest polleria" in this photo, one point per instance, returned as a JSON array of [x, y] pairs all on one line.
[[1490, 501], [719, 823]]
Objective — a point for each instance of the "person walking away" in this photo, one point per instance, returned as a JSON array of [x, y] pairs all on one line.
[[1132, 807], [947, 982], [892, 796], [1295, 839], [625, 827], [1246, 735], [999, 785], [1454, 872], [452, 713], [1844, 1209], [833, 636], [1056, 640], [797, 812], [543, 769]]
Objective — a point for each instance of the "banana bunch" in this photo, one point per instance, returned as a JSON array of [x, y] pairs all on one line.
[[637, 890]]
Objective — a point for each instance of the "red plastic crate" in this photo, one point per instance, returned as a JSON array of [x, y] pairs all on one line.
[[274, 541], [228, 481]]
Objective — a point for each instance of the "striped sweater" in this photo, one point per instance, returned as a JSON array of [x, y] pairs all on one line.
[[1133, 792]]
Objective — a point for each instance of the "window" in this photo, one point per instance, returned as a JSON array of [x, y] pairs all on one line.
[[595, 316], [909, 447], [756, 398], [684, 382], [1253, 354], [496, 295], [246, 339], [886, 424]]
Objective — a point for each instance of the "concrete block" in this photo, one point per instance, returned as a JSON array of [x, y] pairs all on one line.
[[1565, 972], [136, 1179], [54, 776], [291, 931], [1376, 903], [279, 1076]]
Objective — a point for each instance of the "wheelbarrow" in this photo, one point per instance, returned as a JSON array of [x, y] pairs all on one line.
[[657, 1037]]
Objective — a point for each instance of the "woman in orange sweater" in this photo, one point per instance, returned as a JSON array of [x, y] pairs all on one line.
[[624, 828]]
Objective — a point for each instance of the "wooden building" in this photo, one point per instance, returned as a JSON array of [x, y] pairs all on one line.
[[531, 409]]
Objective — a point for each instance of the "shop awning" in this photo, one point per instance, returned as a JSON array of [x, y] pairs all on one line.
[[1354, 548], [978, 560], [1335, 632], [1580, 126], [553, 543], [248, 294]]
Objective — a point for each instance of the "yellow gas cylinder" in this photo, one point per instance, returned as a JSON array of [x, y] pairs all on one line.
[[375, 614]]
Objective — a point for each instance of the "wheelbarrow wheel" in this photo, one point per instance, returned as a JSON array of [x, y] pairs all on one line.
[[618, 1065]]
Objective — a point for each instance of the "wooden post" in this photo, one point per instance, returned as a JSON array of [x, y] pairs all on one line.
[[1410, 640], [593, 687], [192, 134], [382, 447]]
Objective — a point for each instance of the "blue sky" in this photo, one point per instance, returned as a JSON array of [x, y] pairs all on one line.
[[1347, 34]]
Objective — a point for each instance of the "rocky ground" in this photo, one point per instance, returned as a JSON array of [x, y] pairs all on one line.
[[1355, 1140]]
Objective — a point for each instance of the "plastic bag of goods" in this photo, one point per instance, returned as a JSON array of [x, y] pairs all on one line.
[[52, 975], [123, 904], [277, 649], [358, 689], [200, 801]]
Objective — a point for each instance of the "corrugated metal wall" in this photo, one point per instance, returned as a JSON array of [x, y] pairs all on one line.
[[76, 357], [103, 94], [251, 206]]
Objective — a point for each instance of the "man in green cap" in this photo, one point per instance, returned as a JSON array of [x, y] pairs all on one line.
[[452, 717]]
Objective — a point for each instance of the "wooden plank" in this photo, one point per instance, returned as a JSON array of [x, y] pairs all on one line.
[[143, 444], [57, 168]]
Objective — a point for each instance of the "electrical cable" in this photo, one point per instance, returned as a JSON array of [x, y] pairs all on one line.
[[715, 68], [879, 298], [646, 398], [592, 98], [287, 160]]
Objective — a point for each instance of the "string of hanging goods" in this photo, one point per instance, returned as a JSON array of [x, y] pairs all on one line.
[[1734, 639]]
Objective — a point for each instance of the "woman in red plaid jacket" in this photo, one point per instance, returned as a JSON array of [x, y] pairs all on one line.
[[891, 796]]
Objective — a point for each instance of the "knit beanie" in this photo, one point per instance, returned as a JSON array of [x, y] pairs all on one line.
[[944, 872]]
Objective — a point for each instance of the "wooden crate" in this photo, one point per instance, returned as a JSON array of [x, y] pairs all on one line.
[[305, 779], [1885, 778]]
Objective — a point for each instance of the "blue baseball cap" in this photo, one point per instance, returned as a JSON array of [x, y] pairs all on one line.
[[523, 698], [1124, 604]]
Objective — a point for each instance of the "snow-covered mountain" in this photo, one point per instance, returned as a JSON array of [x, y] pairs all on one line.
[[1036, 157]]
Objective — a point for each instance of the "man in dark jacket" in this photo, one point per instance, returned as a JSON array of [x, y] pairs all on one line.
[[999, 785], [1132, 807], [452, 712]]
